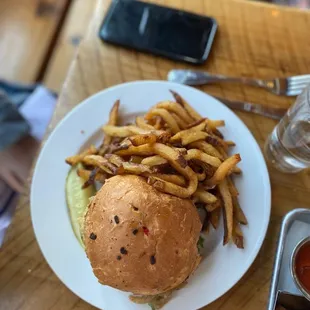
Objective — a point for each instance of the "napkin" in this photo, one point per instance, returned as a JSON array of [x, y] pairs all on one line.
[[37, 110]]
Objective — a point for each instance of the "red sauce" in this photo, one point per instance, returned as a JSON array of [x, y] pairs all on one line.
[[302, 266]]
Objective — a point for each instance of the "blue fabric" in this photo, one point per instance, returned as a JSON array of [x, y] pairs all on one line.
[[12, 125]]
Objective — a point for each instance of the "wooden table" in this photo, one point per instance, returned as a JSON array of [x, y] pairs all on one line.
[[254, 39]]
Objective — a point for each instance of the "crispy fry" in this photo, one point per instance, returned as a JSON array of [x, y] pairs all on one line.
[[123, 131], [207, 148], [230, 143], [193, 137], [172, 178], [179, 120], [191, 111], [209, 170], [238, 213], [175, 108], [127, 131], [196, 123], [217, 133], [236, 170], [154, 161], [140, 122], [138, 169], [86, 174], [222, 171], [100, 162], [164, 168], [213, 124], [168, 187], [93, 176], [215, 217], [167, 117], [114, 159], [237, 235], [199, 170], [75, 159], [159, 122], [204, 196], [124, 145], [143, 139], [173, 158], [141, 150], [217, 143], [212, 206], [136, 159], [222, 151], [113, 118], [197, 128], [227, 211], [232, 188], [201, 156]]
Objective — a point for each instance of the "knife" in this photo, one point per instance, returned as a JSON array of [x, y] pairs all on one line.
[[274, 113]]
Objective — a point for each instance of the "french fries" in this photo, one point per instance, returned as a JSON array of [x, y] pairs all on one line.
[[177, 109], [207, 148], [100, 162], [113, 119], [181, 123], [166, 116], [228, 211], [203, 157], [238, 213], [237, 235], [223, 170], [143, 139], [194, 114], [75, 159], [137, 169], [178, 152], [91, 175], [204, 196], [130, 130], [140, 122], [215, 217], [172, 178], [155, 160], [173, 157]]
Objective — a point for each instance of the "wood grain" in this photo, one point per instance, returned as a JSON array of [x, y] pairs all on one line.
[[26, 30], [254, 39], [73, 31]]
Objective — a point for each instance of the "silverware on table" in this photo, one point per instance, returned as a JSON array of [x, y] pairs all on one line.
[[274, 113], [290, 86]]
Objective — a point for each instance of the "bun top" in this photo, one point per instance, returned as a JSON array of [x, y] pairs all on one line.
[[140, 240]]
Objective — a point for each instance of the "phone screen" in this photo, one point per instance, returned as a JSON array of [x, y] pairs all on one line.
[[160, 30]]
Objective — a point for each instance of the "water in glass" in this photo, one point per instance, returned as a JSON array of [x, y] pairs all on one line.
[[288, 146]]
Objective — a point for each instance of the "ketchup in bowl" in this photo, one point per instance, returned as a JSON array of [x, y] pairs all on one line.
[[300, 266]]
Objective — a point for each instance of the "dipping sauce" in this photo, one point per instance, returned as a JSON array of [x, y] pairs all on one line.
[[302, 266]]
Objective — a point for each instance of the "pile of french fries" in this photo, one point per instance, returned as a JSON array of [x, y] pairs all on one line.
[[178, 152]]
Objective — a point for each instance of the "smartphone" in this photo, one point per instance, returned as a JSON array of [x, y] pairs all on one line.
[[159, 30]]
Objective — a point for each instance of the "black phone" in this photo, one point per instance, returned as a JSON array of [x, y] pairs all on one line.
[[163, 31]]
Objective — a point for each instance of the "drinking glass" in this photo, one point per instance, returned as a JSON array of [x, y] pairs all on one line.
[[288, 146]]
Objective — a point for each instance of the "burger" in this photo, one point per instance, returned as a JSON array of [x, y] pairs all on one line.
[[140, 240]]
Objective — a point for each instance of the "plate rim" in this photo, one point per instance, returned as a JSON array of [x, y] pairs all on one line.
[[263, 168]]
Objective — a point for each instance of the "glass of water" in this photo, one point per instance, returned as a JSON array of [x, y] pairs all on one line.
[[288, 146]]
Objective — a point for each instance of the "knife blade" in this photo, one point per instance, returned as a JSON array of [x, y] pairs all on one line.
[[271, 112]]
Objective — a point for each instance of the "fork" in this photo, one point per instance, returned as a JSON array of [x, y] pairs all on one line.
[[290, 86]]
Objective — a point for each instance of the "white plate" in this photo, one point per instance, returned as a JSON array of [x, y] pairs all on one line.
[[223, 266]]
